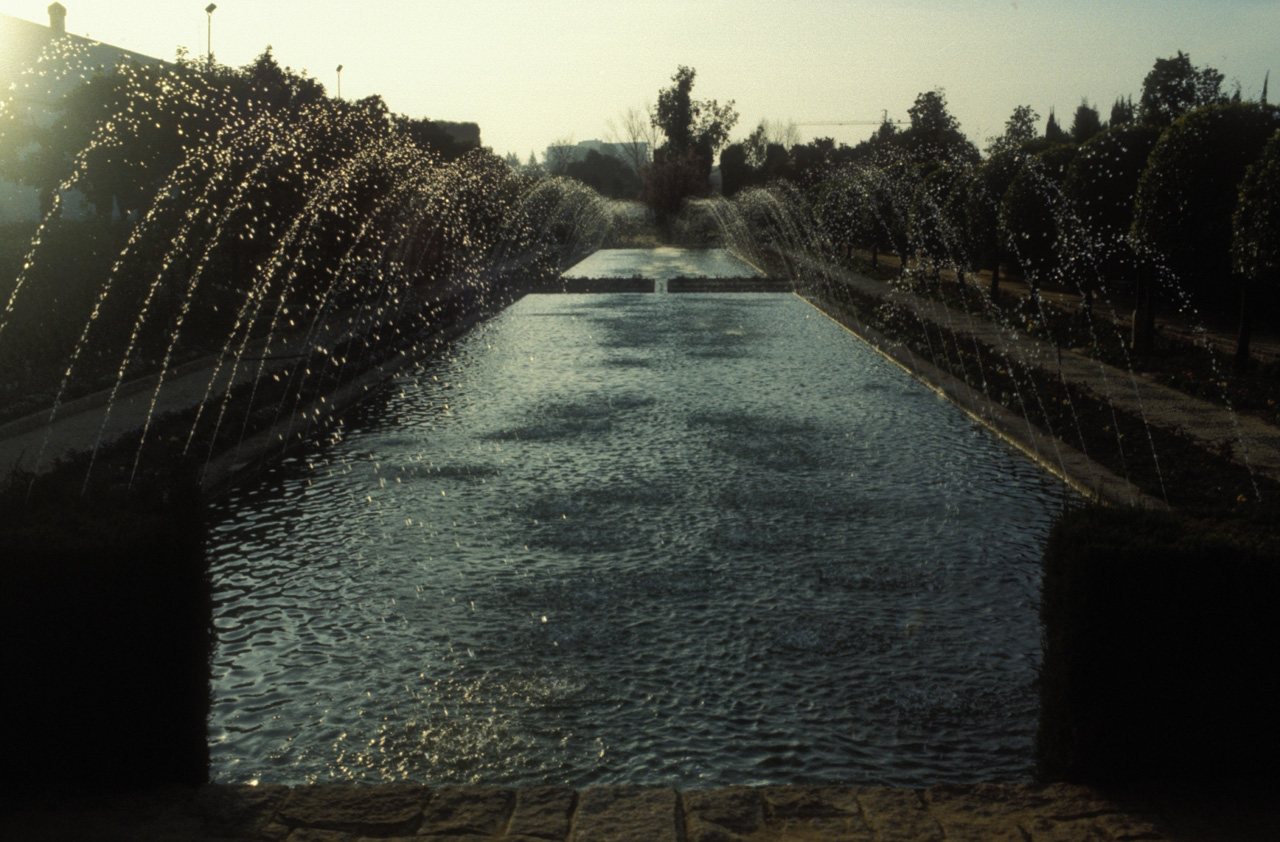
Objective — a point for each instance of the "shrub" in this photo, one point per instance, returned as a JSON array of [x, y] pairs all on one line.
[[1028, 215], [1189, 190], [1256, 226]]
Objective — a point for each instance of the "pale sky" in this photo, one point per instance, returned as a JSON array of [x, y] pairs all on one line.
[[533, 71]]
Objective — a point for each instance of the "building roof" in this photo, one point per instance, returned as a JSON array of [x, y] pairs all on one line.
[[25, 46]]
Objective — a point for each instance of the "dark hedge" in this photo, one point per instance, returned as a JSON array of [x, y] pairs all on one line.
[[106, 623], [1160, 648]]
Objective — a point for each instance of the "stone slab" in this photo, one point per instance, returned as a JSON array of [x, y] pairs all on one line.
[[360, 810], [1022, 812], [543, 812], [627, 814]]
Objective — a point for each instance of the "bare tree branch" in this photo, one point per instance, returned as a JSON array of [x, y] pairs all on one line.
[[637, 135], [559, 155]]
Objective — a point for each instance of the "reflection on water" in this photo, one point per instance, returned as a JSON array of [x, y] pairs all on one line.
[[693, 540]]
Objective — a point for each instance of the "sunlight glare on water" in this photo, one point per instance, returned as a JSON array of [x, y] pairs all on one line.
[[694, 540]]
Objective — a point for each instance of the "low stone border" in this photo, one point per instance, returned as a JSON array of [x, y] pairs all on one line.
[[340, 813]]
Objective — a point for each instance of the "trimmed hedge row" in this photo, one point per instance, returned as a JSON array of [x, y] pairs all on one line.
[[1160, 647], [106, 622]]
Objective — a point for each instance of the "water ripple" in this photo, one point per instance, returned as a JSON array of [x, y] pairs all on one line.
[[687, 540]]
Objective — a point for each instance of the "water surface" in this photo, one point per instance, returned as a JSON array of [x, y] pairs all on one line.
[[694, 540]]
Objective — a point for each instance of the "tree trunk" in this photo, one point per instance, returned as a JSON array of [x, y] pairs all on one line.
[[875, 257], [995, 280], [1246, 325], [1144, 313]]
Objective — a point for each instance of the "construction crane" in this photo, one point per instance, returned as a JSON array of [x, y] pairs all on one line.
[[879, 122]]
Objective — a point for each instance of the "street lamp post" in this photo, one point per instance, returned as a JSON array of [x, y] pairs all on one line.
[[339, 81], [208, 10]]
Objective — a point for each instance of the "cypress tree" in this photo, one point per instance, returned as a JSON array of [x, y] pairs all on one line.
[[1052, 131]]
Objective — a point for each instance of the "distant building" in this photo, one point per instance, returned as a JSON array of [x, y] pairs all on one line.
[[465, 133], [633, 155], [38, 66]]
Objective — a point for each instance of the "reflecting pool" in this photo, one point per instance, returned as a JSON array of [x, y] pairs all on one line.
[[695, 540]]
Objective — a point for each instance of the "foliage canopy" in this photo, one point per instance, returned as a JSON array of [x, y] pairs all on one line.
[[1189, 189]]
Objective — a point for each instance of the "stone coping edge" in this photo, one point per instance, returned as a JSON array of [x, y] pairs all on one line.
[[1025, 812]]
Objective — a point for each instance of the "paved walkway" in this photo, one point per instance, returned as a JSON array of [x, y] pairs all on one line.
[[35, 443], [1264, 347], [952, 813]]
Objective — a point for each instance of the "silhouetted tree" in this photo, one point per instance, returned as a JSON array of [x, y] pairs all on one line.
[[934, 228], [837, 211], [1174, 87], [987, 188], [934, 134], [664, 185], [812, 160], [1029, 214], [1052, 131], [1094, 229], [431, 136], [885, 215], [1255, 244], [1018, 129], [955, 210], [1189, 192], [606, 174], [882, 146], [1122, 112], [735, 173], [675, 113], [264, 83], [695, 131], [691, 124], [1103, 178], [1086, 122]]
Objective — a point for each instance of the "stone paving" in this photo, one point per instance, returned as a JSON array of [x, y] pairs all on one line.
[[339, 813]]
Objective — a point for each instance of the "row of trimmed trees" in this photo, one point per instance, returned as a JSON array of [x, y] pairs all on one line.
[[1176, 199], [1186, 215], [234, 203]]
